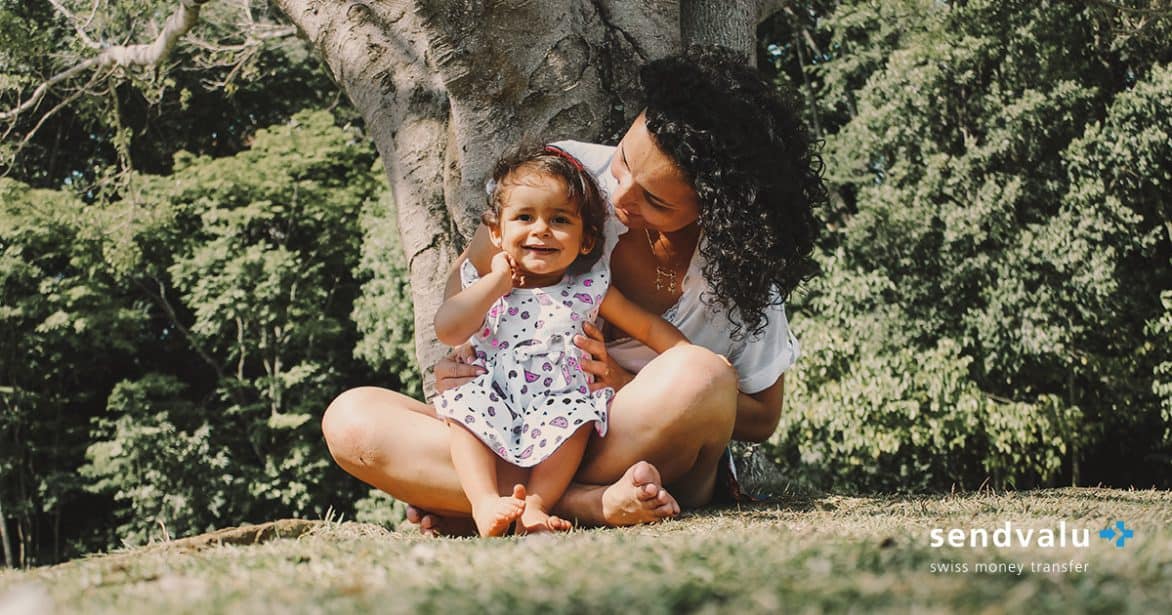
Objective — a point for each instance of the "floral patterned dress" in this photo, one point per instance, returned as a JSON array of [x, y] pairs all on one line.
[[534, 395]]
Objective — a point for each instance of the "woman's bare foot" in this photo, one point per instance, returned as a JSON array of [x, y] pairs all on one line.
[[638, 497], [494, 515], [535, 521], [433, 524]]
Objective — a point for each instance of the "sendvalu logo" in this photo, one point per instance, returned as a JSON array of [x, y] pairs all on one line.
[[1008, 535], [1118, 534]]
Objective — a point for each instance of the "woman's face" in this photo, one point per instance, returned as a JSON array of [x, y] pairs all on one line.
[[652, 192]]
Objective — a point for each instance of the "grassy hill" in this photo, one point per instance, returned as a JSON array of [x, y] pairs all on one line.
[[834, 553]]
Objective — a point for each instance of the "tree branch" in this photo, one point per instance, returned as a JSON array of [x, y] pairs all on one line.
[[149, 54], [77, 27], [160, 298]]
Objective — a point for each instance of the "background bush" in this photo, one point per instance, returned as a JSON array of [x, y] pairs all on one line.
[[191, 333], [996, 250]]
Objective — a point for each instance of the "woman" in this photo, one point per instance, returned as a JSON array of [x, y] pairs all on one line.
[[713, 189]]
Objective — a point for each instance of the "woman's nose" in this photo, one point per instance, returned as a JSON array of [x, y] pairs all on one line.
[[624, 194]]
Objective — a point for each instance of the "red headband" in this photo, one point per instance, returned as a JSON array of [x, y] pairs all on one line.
[[553, 149]]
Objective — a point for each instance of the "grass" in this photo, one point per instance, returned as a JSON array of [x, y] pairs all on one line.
[[839, 554]]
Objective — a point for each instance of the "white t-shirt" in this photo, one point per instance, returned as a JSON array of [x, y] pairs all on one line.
[[759, 360]]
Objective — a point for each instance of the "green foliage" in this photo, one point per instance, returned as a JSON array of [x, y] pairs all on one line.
[[259, 249], [872, 409], [1161, 330], [380, 509], [186, 339], [383, 312], [999, 241], [165, 468], [65, 334]]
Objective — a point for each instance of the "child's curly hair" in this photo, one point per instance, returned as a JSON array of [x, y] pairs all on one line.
[[756, 170], [581, 189]]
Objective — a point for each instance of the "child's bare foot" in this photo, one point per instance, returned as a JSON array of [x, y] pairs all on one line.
[[638, 497], [535, 521], [495, 514]]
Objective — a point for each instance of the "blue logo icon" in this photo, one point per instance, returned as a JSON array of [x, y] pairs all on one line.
[[1119, 534]]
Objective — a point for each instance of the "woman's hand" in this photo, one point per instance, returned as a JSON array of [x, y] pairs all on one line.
[[456, 368], [606, 372]]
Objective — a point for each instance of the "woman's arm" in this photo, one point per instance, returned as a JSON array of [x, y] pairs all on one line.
[[480, 251], [462, 314], [657, 333], [758, 413], [457, 368]]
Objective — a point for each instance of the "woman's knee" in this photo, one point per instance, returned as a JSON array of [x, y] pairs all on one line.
[[347, 427], [701, 385], [696, 372]]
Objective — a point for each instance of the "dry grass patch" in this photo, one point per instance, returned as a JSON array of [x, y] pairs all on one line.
[[832, 553]]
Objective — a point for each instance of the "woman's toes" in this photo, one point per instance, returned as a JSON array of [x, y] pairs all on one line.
[[665, 505], [643, 473], [647, 492], [429, 526]]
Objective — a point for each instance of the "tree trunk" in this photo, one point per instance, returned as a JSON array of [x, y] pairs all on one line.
[[732, 23], [446, 86], [9, 559]]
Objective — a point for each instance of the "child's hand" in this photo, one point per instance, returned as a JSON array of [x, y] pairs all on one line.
[[504, 264]]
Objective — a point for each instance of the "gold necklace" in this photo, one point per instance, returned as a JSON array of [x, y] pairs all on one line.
[[665, 279]]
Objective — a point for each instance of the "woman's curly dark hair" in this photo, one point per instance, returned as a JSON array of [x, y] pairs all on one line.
[[754, 167], [581, 189]]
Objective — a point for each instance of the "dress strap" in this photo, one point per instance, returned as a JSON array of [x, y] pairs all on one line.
[[468, 274]]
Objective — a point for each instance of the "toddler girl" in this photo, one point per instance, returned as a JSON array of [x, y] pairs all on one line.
[[533, 406]]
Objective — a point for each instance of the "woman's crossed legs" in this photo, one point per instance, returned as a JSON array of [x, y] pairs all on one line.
[[667, 430]]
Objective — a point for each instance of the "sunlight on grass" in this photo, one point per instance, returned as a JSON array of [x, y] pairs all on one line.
[[822, 554]]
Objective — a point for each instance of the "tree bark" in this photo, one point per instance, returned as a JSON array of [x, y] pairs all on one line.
[[446, 86], [9, 559], [732, 23]]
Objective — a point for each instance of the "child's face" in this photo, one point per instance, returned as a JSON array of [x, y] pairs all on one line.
[[539, 227]]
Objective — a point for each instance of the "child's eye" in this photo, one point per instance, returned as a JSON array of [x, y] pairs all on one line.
[[523, 217], [561, 220]]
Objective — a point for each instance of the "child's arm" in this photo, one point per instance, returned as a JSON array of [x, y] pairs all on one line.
[[657, 333], [463, 313]]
